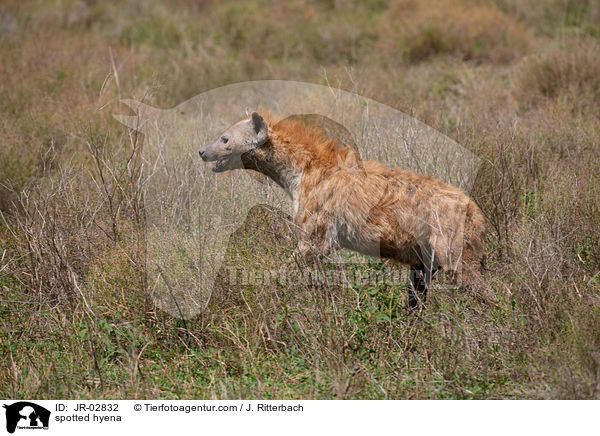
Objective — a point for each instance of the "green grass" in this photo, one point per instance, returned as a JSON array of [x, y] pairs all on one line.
[[365, 345]]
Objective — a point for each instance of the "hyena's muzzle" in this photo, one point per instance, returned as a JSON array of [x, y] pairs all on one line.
[[219, 153]]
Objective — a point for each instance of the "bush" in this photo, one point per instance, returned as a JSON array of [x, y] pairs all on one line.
[[416, 30], [572, 68]]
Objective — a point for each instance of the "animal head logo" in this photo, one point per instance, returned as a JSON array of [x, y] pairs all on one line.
[[191, 211], [24, 414]]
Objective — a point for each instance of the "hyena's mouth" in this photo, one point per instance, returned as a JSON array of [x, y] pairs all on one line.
[[219, 165]]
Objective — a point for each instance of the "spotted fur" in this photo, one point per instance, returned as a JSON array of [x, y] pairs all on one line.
[[341, 201]]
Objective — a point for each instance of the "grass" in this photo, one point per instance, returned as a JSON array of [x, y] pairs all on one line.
[[514, 82], [417, 30]]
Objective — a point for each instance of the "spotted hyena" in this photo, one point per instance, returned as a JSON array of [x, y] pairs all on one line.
[[341, 201]]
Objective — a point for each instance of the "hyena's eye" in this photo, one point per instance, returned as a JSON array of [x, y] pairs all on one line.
[[224, 139]]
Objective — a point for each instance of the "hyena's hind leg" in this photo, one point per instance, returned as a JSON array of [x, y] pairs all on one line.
[[420, 277]]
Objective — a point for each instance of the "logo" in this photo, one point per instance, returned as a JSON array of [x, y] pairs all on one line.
[[26, 415]]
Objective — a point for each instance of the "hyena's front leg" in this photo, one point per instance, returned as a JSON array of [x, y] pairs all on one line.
[[311, 249], [305, 253], [315, 240]]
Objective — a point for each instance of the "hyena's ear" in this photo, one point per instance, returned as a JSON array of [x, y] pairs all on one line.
[[260, 128]]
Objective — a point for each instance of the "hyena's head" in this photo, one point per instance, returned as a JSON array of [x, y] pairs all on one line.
[[240, 138]]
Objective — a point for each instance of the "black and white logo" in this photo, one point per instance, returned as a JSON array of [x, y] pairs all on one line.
[[26, 415]]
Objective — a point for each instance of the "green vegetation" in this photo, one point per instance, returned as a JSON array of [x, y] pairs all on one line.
[[517, 82]]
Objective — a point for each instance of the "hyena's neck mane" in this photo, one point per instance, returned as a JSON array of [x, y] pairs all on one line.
[[294, 150]]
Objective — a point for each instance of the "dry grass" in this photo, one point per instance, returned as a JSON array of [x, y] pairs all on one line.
[[515, 82], [418, 30], [557, 16], [571, 69]]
